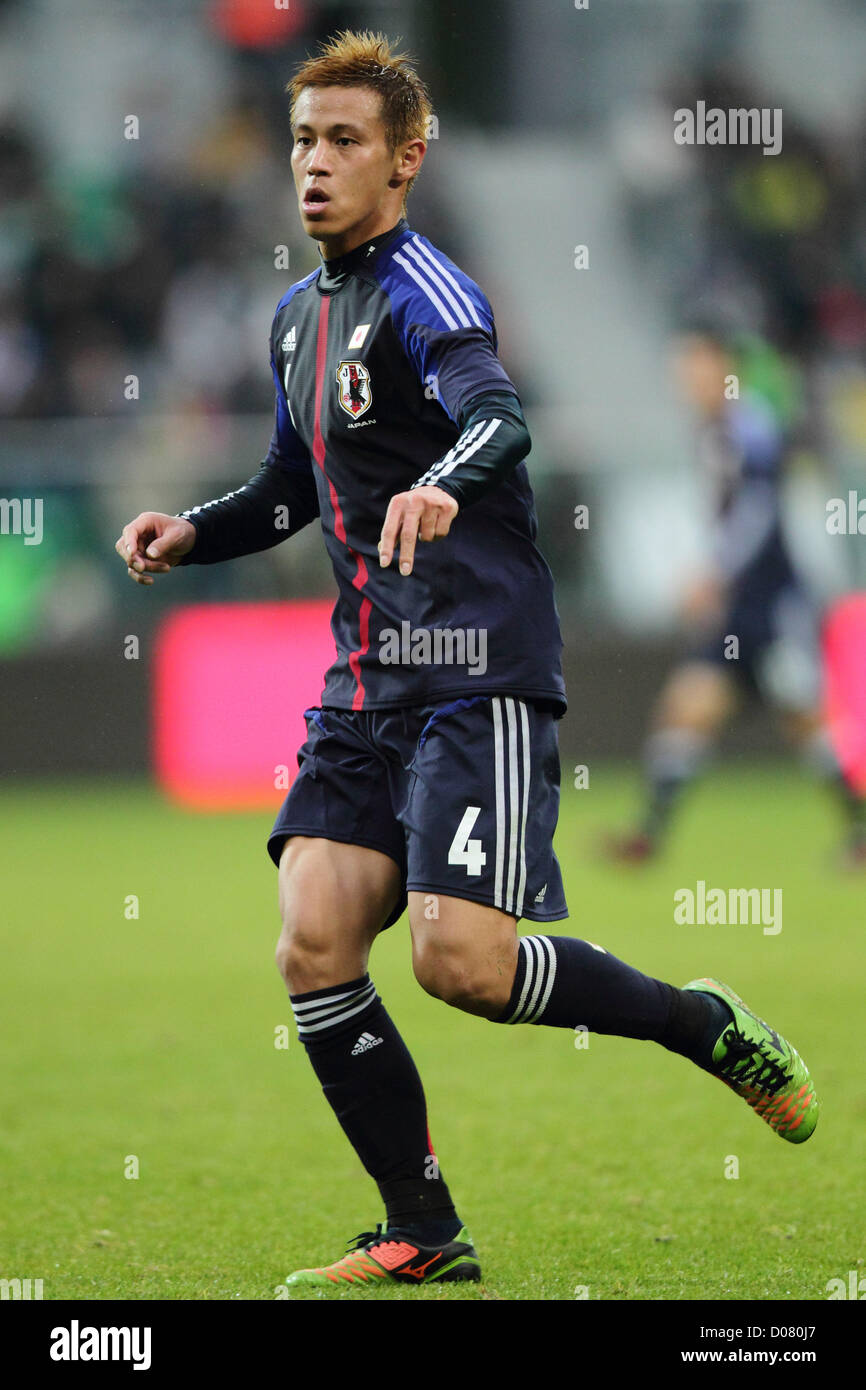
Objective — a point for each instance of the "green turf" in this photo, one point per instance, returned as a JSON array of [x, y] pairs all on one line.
[[600, 1168]]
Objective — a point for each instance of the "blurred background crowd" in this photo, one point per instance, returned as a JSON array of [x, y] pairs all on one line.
[[157, 257]]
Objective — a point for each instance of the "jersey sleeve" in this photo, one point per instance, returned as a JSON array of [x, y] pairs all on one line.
[[445, 325], [493, 440], [287, 448], [276, 503]]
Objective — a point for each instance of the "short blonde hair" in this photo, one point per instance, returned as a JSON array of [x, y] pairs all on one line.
[[368, 60]]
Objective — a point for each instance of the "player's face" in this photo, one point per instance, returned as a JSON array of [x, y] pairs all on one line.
[[342, 167], [700, 367]]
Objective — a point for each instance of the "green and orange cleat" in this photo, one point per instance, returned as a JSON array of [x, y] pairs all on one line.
[[381, 1256], [763, 1068]]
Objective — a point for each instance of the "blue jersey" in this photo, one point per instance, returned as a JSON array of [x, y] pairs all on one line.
[[743, 453], [377, 357]]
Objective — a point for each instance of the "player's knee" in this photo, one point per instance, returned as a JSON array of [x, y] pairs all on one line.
[[304, 957], [286, 957], [697, 698], [463, 983]]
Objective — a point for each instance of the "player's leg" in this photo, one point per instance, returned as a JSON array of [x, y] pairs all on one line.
[[341, 856], [697, 700], [334, 900], [482, 812], [469, 955]]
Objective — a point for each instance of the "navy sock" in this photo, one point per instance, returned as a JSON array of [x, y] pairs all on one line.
[[673, 758], [375, 1091], [428, 1232], [566, 983]]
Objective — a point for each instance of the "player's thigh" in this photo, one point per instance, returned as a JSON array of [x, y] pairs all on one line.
[[481, 808], [463, 952], [334, 900], [698, 695], [480, 817]]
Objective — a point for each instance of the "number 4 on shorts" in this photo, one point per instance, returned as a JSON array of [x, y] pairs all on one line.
[[466, 851]]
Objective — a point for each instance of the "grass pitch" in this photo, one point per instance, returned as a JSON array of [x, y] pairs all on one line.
[[600, 1170]]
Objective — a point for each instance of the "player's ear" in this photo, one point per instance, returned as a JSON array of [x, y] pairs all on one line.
[[411, 157]]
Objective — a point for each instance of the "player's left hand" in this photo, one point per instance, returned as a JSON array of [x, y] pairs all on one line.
[[424, 513]]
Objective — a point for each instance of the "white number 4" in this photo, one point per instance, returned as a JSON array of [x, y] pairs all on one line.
[[466, 851]]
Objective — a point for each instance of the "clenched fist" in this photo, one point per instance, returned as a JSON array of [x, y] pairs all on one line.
[[153, 544]]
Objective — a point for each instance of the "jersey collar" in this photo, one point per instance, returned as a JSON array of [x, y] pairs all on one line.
[[334, 273]]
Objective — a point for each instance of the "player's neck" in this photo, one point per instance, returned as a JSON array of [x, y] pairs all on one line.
[[337, 247]]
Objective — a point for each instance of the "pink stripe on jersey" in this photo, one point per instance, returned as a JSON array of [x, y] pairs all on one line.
[[360, 578]]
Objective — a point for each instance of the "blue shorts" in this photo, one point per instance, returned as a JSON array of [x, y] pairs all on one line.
[[463, 796]]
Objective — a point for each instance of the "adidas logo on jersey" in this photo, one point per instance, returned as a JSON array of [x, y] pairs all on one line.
[[364, 1043], [539, 897], [288, 344]]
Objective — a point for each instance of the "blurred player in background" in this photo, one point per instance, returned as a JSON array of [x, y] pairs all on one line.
[[755, 630]]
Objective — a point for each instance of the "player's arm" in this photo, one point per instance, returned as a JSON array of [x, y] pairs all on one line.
[[474, 389], [274, 504], [493, 440]]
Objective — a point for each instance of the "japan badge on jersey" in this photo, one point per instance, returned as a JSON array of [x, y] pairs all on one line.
[[356, 393]]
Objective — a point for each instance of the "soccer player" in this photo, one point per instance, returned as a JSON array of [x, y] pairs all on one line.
[[430, 774], [755, 630]]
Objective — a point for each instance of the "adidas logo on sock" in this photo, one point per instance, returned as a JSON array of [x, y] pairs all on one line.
[[364, 1043]]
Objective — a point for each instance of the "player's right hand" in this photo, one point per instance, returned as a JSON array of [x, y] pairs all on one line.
[[153, 544]]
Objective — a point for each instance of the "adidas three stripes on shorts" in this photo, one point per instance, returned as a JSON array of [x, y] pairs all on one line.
[[463, 796]]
